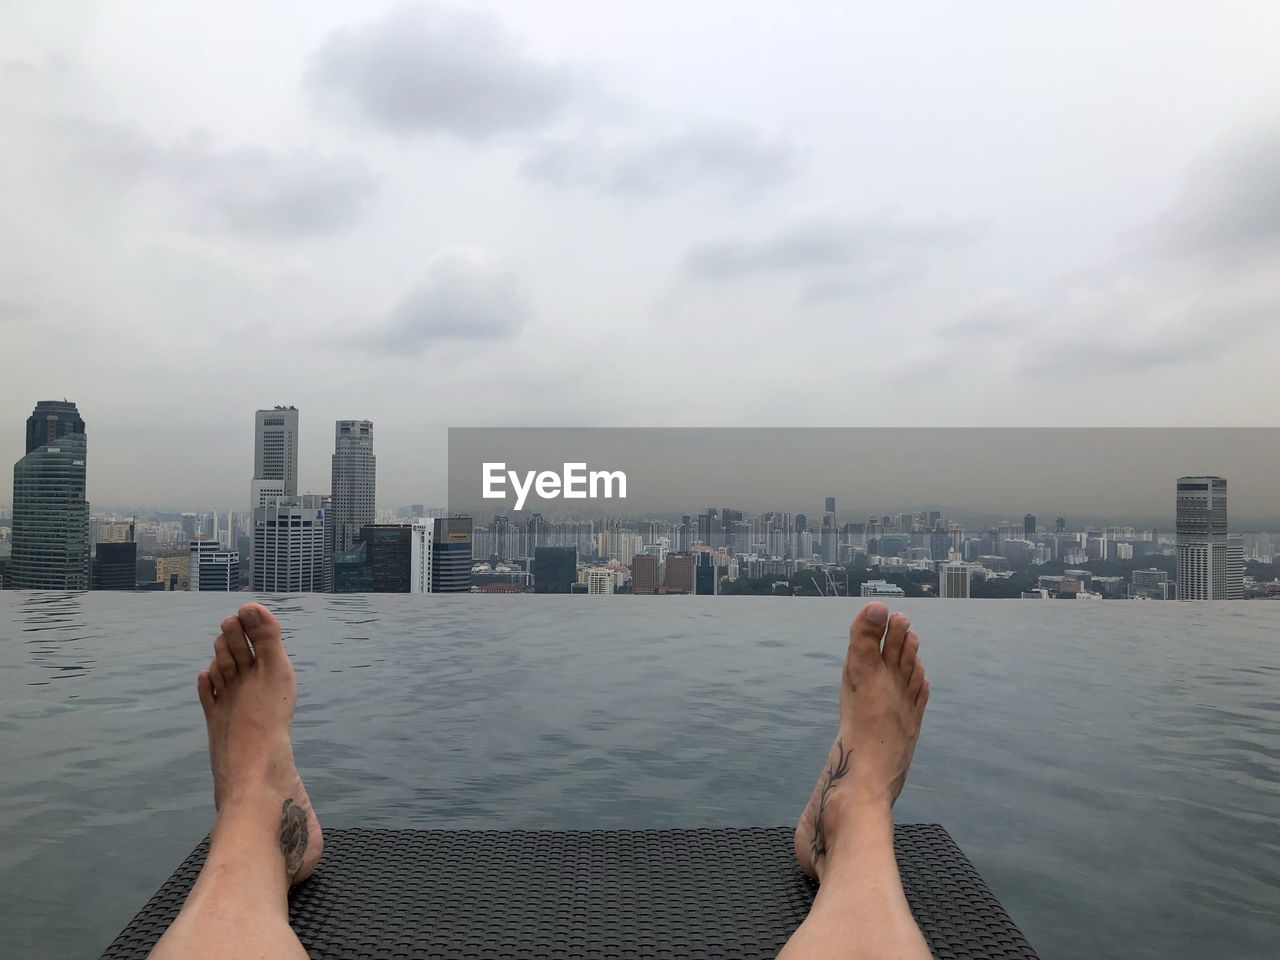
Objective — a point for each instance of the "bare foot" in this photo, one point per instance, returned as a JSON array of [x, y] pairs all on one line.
[[883, 692], [248, 695]]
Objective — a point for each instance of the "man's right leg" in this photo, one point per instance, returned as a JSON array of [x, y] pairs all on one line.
[[845, 835], [265, 836]]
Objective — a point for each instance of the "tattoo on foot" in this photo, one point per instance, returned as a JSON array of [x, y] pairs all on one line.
[[818, 847], [293, 838]]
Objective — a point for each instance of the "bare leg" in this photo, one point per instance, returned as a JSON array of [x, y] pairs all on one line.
[[845, 835], [265, 836]]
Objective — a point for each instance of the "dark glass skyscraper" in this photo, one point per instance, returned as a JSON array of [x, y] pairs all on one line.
[[50, 512], [555, 569]]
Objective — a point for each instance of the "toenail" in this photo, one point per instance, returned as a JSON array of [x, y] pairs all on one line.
[[250, 617], [876, 613]]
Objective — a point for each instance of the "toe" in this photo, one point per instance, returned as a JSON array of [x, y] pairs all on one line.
[[222, 657], [867, 629], [922, 698], [263, 630], [204, 687], [215, 676], [910, 646], [916, 680], [237, 643], [894, 637]]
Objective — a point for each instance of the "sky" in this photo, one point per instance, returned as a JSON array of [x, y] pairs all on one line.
[[650, 214]]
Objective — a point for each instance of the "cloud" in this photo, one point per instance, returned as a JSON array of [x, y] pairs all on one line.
[[461, 294], [248, 190], [434, 68], [730, 157], [835, 257], [821, 242], [1230, 207], [998, 313]]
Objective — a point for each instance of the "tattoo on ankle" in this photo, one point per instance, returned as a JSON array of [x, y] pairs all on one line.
[[293, 838], [818, 847]]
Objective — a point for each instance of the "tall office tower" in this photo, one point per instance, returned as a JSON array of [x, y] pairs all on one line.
[[275, 455], [955, 580], [706, 581], [440, 560], [1201, 523], [679, 573], [115, 566], [555, 569], [1029, 526], [50, 539], [288, 545], [352, 489], [644, 573], [211, 568], [830, 506], [934, 518], [115, 556]]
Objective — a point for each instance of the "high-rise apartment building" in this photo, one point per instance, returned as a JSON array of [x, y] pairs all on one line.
[[600, 581], [288, 546], [644, 573], [679, 573], [352, 488], [441, 555], [211, 568], [50, 539], [955, 580], [1208, 566]]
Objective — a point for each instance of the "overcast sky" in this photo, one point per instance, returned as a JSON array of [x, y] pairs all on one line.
[[650, 214]]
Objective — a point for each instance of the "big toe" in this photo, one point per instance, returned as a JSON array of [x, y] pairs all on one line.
[[263, 631], [867, 630]]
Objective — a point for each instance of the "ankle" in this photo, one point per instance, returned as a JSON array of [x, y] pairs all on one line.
[[857, 823]]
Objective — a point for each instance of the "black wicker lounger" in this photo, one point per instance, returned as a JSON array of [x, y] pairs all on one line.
[[590, 894]]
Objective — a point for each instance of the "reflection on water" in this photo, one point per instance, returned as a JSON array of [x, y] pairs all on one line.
[[1113, 769]]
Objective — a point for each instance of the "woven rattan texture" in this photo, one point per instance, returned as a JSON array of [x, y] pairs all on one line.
[[589, 895]]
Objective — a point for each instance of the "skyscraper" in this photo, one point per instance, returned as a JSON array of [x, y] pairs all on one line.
[[644, 573], [555, 569], [440, 560], [50, 513], [211, 568], [352, 490], [1206, 565], [679, 573], [115, 560], [955, 580], [1029, 526], [275, 455], [288, 545]]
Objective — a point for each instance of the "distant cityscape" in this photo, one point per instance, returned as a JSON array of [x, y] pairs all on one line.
[[286, 542]]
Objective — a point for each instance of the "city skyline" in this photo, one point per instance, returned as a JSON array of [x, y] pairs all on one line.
[[880, 227]]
